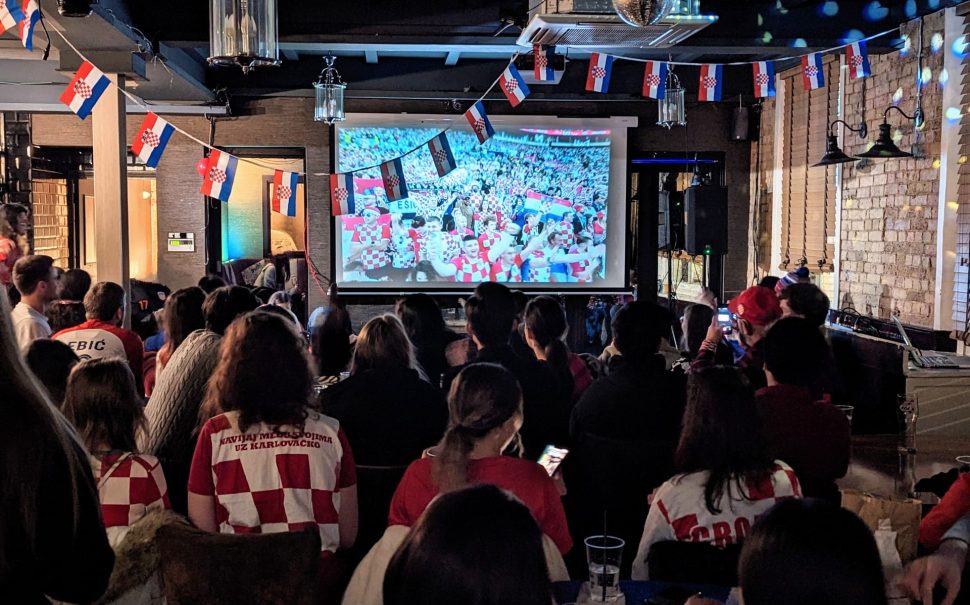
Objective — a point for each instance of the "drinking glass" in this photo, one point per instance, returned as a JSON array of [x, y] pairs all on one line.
[[848, 410], [909, 406], [604, 553]]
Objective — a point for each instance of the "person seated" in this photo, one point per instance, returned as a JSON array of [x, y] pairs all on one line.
[[210, 283], [390, 413], [103, 404], [485, 414], [67, 310], [101, 336], [488, 542], [727, 476], [812, 436], [545, 332], [51, 362], [33, 276], [425, 327], [638, 400]]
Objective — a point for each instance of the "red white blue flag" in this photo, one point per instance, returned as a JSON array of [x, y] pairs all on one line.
[[543, 57], [598, 76], [152, 137], [444, 160], [342, 194], [220, 172], [513, 85], [655, 80], [711, 82], [10, 15], [478, 120], [83, 92], [284, 192], [812, 75], [857, 58], [31, 16], [764, 78], [395, 187]]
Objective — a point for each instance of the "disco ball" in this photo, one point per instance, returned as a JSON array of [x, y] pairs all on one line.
[[643, 12]]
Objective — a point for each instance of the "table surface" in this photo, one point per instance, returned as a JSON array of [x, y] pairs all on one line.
[[635, 592]]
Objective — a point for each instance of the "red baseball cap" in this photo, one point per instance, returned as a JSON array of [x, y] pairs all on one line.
[[757, 305]]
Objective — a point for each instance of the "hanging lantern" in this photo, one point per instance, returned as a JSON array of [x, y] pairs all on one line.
[[243, 33], [330, 94], [671, 110]]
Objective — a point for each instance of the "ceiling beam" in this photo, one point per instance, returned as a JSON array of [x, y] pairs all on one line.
[[452, 57], [291, 55], [370, 55]]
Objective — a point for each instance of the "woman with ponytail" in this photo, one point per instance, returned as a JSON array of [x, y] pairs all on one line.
[[485, 415], [545, 329]]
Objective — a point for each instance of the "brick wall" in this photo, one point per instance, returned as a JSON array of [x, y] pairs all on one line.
[[50, 219]]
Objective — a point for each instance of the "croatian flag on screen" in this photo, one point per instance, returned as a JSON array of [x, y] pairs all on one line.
[[395, 187], [32, 15], [479, 122], [543, 56], [513, 85], [150, 142], [533, 202], [711, 82], [557, 208], [444, 160], [284, 192], [812, 76], [10, 15], [83, 92], [342, 194], [764, 79], [655, 80], [220, 173], [598, 76], [857, 57]]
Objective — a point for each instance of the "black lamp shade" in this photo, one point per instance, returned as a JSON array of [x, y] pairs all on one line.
[[74, 8], [833, 154], [884, 147]]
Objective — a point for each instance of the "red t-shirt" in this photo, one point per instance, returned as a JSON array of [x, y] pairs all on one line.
[[96, 339], [9, 255], [527, 480]]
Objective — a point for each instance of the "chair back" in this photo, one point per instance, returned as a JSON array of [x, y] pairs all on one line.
[[375, 488], [693, 563]]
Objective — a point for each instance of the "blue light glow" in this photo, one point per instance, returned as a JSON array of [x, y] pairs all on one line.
[[910, 9], [936, 42], [959, 47], [875, 11], [828, 9], [953, 114], [799, 43], [669, 161], [943, 77], [852, 35]]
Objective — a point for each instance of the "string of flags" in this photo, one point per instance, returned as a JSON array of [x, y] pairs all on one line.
[[20, 15]]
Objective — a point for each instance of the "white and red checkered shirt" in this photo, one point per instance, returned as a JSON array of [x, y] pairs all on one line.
[[404, 252], [372, 236], [128, 490], [680, 513], [568, 232], [488, 239], [470, 271], [268, 482], [579, 266], [511, 274]]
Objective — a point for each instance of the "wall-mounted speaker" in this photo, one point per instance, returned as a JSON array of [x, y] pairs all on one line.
[[705, 220]]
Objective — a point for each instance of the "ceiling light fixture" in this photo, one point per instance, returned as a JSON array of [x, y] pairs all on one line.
[[330, 87], [833, 153], [671, 109], [243, 33]]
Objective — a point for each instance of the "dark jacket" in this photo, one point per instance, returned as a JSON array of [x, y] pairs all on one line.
[[752, 364]]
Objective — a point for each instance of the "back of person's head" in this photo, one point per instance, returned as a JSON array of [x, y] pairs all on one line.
[[545, 323], [223, 305], [104, 300], [9, 215], [63, 314], [31, 271], [794, 351], [422, 320], [722, 433], [263, 372], [474, 546], [183, 314], [637, 329], [51, 361], [483, 397], [806, 300], [769, 281], [490, 313], [331, 348], [280, 297], [520, 300], [697, 319], [806, 552], [103, 404], [210, 283], [282, 312], [382, 345], [74, 284]]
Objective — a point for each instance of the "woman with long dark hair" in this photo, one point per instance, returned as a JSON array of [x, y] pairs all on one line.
[[183, 315], [422, 320], [545, 331], [727, 479]]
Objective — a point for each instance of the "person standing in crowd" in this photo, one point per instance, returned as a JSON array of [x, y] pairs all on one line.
[[103, 404], [34, 278], [182, 316], [805, 300], [472, 265], [390, 413], [485, 414], [102, 336], [728, 478], [425, 327], [545, 333], [67, 310], [51, 362], [14, 222], [210, 283], [173, 409], [369, 244], [52, 541]]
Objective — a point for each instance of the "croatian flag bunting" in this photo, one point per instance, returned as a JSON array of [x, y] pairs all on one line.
[[655, 80], [284, 192], [220, 172], [513, 85], [764, 79], [444, 160], [10, 15], [543, 57], [711, 82], [479, 122], [149, 143], [598, 76], [342, 194], [812, 76], [857, 57], [83, 92], [31, 16], [395, 187]]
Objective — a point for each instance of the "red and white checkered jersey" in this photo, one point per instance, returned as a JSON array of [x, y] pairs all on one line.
[[372, 236], [128, 490], [266, 481], [680, 513], [488, 239], [470, 271], [568, 232], [579, 266], [512, 273]]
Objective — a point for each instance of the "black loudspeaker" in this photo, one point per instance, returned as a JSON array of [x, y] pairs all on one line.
[[705, 220], [740, 124], [670, 220]]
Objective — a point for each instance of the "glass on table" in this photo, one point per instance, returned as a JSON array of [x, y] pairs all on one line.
[[848, 410], [604, 554], [909, 408]]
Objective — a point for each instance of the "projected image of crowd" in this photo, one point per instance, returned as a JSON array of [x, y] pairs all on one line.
[[528, 206]]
